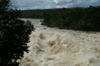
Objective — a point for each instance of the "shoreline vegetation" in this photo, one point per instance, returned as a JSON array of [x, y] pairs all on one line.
[[14, 35], [85, 19]]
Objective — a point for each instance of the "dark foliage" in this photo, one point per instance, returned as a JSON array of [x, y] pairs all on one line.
[[14, 34], [4, 4], [32, 14], [87, 19]]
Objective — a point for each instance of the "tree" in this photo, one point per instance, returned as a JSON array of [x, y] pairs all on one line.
[[4, 4], [14, 36]]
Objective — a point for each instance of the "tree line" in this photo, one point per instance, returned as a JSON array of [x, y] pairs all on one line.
[[87, 19]]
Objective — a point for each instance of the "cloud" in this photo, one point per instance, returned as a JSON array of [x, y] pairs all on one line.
[[35, 4], [44, 4], [76, 3]]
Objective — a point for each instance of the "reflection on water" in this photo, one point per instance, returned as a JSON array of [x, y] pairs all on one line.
[[55, 47]]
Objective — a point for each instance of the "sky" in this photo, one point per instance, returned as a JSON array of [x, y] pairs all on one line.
[[48, 4]]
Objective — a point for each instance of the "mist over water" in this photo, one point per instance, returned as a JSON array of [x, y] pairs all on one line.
[[60, 47]]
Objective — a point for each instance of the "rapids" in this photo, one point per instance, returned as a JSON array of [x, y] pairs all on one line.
[[60, 47]]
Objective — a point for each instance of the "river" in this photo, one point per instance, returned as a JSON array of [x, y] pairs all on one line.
[[61, 47]]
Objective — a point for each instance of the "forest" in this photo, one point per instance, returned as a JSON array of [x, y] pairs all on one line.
[[87, 19]]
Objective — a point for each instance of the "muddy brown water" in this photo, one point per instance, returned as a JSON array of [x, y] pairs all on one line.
[[60, 47]]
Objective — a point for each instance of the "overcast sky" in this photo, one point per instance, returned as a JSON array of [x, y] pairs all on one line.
[[47, 4]]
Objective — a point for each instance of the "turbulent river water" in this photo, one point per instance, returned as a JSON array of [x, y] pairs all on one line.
[[60, 47]]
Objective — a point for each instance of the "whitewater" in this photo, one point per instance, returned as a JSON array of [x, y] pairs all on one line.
[[61, 47]]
